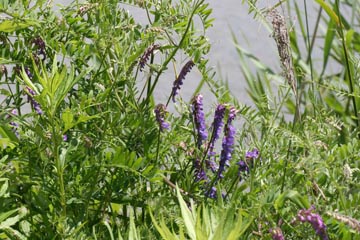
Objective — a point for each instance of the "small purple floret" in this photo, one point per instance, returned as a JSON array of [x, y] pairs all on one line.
[[179, 80], [14, 125], [40, 44], [276, 234], [243, 167], [28, 73], [199, 117], [200, 174], [212, 193], [252, 154], [160, 112]]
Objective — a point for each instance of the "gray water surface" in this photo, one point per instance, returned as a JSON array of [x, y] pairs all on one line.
[[230, 16]]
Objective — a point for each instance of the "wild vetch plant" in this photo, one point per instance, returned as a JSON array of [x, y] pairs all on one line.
[[87, 150]]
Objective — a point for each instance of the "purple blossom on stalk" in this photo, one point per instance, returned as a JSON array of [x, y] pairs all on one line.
[[199, 117], [160, 112], [252, 154], [200, 174], [216, 129], [211, 193], [276, 234], [28, 73], [228, 142], [244, 166], [40, 44], [307, 215], [179, 80], [14, 125], [145, 57], [65, 137], [33, 102]]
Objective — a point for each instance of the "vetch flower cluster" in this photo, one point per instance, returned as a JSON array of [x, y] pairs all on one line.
[[28, 73], [212, 193], [200, 173], [145, 57], [250, 156], [31, 93], [307, 215], [216, 130], [14, 125], [160, 113], [180, 79], [199, 118], [40, 44], [228, 142]]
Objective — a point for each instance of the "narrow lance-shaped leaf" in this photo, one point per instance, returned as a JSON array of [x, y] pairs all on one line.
[[329, 38], [187, 216]]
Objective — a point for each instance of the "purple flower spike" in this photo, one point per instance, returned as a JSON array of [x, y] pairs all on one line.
[[199, 117], [216, 130], [145, 57], [40, 44], [179, 80], [276, 234], [252, 154], [33, 102], [307, 215], [228, 142], [65, 137], [160, 112]]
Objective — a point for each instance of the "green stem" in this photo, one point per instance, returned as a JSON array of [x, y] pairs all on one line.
[[351, 84], [172, 54], [60, 173]]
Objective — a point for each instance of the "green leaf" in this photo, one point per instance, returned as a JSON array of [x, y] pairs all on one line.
[[334, 17], [14, 234], [162, 229], [14, 25], [293, 196], [68, 119], [7, 214], [4, 187], [25, 227], [6, 142], [107, 225], [329, 38], [187, 216], [6, 61], [133, 234], [10, 222]]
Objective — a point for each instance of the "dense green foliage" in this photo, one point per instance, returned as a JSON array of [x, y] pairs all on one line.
[[83, 156]]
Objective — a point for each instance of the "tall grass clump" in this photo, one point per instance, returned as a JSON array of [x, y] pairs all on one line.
[[89, 151]]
